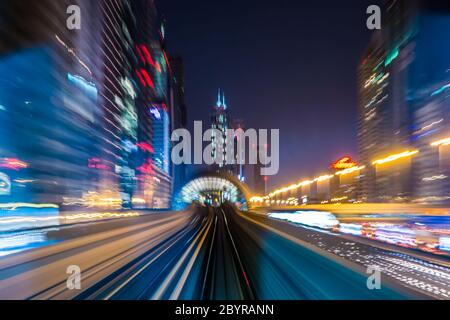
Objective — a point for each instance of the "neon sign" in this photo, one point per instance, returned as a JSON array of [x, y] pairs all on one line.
[[344, 163]]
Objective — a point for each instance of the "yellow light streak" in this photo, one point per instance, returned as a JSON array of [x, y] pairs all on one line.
[[257, 199], [305, 183], [323, 178], [23, 181], [349, 171], [339, 199], [139, 201], [14, 206], [395, 157], [442, 142]]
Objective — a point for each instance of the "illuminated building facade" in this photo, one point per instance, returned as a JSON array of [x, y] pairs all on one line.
[[254, 178], [429, 83], [152, 74], [49, 101], [259, 182], [179, 115], [239, 169], [118, 103], [220, 121], [404, 105], [77, 106], [346, 184]]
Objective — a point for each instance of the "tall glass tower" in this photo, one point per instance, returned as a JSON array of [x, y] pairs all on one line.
[[220, 121]]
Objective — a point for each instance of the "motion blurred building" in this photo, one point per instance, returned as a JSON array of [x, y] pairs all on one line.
[[255, 180], [239, 169], [404, 105], [49, 101], [84, 114], [179, 116], [155, 106], [220, 121]]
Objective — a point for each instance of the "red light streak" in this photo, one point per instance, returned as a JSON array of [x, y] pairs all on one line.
[[146, 168], [144, 146], [147, 78], [13, 164], [140, 54], [95, 163], [148, 56], [167, 62], [141, 79]]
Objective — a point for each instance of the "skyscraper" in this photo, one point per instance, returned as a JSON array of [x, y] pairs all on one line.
[[403, 104], [253, 177], [84, 104], [220, 122], [49, 96], [238, 169], [179, 115]]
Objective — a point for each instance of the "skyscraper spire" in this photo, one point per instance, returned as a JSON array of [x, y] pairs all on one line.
[[219, 100], [224, 104]]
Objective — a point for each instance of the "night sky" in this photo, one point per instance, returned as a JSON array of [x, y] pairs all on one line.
[[284, 64]]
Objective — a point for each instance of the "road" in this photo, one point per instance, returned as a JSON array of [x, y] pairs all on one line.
[[211, 254]]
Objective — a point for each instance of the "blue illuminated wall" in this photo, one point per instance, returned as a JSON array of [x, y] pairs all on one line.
[[45, 123], [429, 100], [27, 92], [161, 142]]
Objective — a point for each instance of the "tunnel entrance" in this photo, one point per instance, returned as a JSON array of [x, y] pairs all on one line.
[[213, 190]]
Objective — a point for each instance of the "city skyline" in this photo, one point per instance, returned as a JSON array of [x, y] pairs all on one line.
[[190, 154], [302, 62], [402, 118]]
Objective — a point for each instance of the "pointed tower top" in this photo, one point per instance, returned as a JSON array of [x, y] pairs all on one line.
[[224, 103], [219, 101]]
